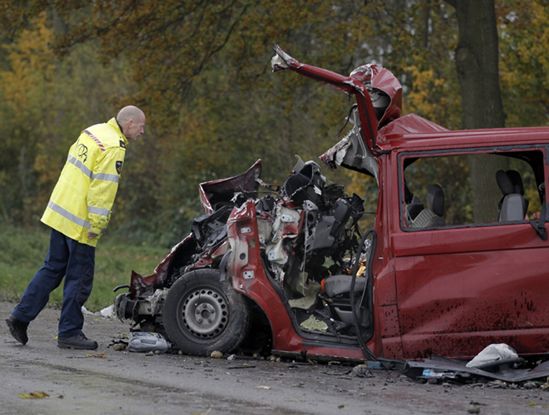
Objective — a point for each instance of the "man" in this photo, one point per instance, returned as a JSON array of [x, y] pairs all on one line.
[[78, 212]]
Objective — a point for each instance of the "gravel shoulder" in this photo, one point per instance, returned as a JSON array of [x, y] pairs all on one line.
[[108, 381]]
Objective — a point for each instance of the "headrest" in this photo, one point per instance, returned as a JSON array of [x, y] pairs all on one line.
[[504, 182], [435, 199], [516, 180]]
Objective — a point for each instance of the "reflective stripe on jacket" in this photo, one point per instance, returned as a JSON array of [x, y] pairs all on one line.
[[82, 199]]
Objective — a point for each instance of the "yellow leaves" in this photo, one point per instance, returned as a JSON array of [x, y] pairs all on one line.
[[430, 96], [31, 61], [524, 64], [32, 49], [33, 395]]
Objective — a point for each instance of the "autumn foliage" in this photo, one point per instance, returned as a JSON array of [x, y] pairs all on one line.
[[201, 72]]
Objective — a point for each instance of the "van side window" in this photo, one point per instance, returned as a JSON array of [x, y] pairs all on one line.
[[471, 189]]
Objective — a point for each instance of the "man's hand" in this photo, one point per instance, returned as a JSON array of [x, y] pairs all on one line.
[[92, 235]]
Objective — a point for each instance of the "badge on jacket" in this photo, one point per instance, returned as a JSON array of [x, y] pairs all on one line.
[[119, 167], [82, 152], [122, 144]]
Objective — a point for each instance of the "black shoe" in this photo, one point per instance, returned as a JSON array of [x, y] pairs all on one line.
[[18, 329], [80, 341]]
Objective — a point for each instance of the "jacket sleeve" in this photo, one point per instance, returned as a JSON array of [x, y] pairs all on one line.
[[103, 188]]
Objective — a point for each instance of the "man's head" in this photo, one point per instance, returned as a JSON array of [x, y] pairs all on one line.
[[132, 121]]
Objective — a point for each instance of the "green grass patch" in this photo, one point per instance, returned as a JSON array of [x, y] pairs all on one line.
[[22, 252]]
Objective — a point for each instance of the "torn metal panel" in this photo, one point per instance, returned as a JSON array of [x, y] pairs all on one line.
[[350, 152], [215, 192], [346, 83], [285, 226]]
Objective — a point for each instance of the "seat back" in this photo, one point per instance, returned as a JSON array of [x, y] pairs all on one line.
[[518, 187], [512, 206], [432, 214]]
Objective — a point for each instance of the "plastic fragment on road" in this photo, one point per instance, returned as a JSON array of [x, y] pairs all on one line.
[[494, 354], [33, 395], [107, 312], [433, 374], [144, 342]]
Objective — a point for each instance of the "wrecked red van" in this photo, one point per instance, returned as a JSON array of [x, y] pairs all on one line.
[[446, 269]]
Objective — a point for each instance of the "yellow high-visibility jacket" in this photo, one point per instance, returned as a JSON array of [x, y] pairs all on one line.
[[82, 199]]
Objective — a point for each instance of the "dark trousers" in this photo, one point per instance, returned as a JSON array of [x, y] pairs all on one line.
[[66, 258]]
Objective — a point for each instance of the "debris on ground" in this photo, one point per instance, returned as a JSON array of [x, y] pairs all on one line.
[[120, 346], [362, 371], [33, 395], [438, 369], [119, 343], [216, 354], [107, 312], [243, 366], [97, 355], [473, 410], [141, 341]]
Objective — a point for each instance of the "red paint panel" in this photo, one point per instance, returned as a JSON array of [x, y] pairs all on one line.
[[449, 298], [526, 341]]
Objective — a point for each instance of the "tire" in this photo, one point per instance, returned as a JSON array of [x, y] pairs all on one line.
[[202, 314]]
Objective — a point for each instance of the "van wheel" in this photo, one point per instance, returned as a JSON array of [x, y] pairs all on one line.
[[202, 314]]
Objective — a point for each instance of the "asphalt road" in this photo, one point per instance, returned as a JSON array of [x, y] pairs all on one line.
[[118, 382]]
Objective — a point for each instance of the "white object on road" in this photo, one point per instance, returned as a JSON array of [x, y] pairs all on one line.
[[492, 354], [107, 312]]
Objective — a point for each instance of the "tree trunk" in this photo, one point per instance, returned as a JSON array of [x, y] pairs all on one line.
[[477, 68]]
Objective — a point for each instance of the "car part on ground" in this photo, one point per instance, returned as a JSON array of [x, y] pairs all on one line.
[[144, 342], [450, 369]]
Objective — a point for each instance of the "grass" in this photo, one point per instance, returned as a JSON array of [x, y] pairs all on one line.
[[22, 252]]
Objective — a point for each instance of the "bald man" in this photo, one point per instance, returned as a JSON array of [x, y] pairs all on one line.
[[78, 212]]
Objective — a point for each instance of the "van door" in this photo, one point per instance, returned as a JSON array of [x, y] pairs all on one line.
[[464, 282]]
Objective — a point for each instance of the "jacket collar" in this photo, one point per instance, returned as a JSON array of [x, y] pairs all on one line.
[[114, 124]]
